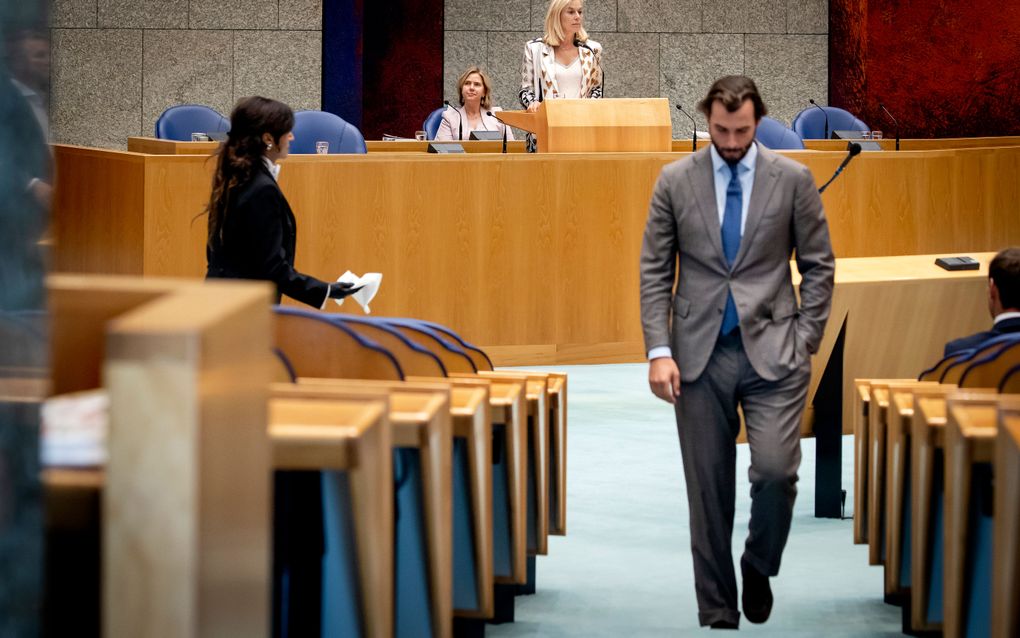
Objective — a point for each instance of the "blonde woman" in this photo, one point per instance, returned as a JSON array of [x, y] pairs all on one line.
[[563, 63], [475, 92]]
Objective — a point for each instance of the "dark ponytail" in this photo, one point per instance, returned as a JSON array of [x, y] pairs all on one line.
[[238, 157]]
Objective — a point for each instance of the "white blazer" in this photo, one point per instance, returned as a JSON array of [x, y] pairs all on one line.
[[454, 117], [538, 72]]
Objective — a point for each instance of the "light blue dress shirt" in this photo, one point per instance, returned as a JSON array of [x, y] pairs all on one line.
[[721, 172]]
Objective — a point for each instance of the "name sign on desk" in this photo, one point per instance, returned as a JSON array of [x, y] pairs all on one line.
[[451, 147], [492, 136]]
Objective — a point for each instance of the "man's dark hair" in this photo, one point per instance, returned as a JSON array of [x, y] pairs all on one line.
[[732, 90], [1005, 272]]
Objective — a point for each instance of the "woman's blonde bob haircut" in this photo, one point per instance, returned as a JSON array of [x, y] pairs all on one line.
[[486, 103], [554, 35]]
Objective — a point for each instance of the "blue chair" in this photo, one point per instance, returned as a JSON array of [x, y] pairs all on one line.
[[318, 126], [415, 359], [432, 123], [775, 135], [451, 354], [985, 351], [179, 122], [810, 123], [1010, 381], [478, 356]]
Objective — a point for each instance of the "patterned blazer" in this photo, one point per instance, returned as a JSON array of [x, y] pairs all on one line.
[[538, 72]]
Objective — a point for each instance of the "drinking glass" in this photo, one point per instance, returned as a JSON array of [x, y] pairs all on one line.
[[322, 148], [419, 135]]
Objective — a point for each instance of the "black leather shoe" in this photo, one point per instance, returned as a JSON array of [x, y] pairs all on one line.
[[724, 624], [757, 595]]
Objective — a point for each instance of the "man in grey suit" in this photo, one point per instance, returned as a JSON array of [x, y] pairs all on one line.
[[732, 334]]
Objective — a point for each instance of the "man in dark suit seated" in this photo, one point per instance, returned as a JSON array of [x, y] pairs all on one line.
[[1003, 301]]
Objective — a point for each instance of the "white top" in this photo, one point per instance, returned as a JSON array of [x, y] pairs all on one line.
[[569, 79]]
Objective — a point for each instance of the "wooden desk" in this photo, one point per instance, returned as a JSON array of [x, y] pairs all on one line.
[[488, 244], [1006, 583], [888, 143], [155, 146]]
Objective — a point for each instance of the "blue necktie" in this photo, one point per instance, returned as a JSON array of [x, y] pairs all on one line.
[[731, 242]]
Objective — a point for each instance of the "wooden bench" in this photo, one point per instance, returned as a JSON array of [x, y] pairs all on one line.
[[1006, 574]]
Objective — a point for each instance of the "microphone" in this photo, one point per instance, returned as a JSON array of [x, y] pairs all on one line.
[[460, 120], [826, 114], [602, 71], [882, 106], [489, 113], [694, 138], [854, 149]]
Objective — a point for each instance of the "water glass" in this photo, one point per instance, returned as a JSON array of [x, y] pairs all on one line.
[[876, 135], [419, 135], [865, 135], [322, 148], [199, 137]]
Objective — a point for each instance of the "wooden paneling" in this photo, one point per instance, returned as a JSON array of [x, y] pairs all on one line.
[[532, 257]]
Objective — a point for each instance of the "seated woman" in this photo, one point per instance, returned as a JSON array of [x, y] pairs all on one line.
[[252, 231], [563, 63], [475, 105]]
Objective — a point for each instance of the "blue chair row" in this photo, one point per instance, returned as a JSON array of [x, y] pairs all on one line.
[[369, 335], [775, 135], [819, 122], [179, 122]]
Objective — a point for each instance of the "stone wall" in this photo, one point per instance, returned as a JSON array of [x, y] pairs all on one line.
[[117, 64], [658, 48]]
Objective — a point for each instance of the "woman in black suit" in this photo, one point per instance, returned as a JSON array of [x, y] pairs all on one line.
[[252, 230]]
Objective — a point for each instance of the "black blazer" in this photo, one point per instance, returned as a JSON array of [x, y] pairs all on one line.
[[259, 234], [1006, 326]]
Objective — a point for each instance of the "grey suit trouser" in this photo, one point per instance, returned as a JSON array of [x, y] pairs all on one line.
[[708, 425]]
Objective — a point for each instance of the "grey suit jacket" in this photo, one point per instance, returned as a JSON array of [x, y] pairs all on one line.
[[784, 216]]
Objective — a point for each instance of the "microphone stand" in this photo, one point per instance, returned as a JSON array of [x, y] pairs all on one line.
[[460, 121], [489, 113], [694, 137], [882, 106], [853, 150], [826, 114]]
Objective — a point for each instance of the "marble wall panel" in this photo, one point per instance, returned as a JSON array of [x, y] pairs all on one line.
[[660, 16], [143, 14], [744, 16], [186, 67], [487, 15], [73, 14], [689, 66], [506, 51], [631, 64], [599, 15], [789, 70], [461, 50], [234, 14], [97, 86], [807, 16], [283, 65], [301, 14]]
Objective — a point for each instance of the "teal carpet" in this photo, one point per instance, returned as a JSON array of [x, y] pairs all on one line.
[[624, 568]]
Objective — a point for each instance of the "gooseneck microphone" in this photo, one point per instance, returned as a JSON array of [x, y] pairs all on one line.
[[460, 120], [489, 113], [694, 137], [602, 71], [889, 115], [853, 150], [826, 114]]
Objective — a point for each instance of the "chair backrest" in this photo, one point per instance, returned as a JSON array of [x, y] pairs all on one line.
[[988, 371], [775, 135], [318, 347], [452, 355], [318, 126], [432, 122], [284, 369], [955, 371], [415, 359], [810, 123], [478, 356], [1011, 381], [935, 372], [179, 122]]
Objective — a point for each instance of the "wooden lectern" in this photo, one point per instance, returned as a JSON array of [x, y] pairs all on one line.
[[582, 126]]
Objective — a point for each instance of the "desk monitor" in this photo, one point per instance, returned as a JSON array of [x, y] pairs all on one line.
[[494, 136]]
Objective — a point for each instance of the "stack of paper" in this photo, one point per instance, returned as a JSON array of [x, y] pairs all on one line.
[[369, 283]]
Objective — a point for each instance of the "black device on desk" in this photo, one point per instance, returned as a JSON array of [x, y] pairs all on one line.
[[445, 147], [957, 263], [491, 136], [857, 136]]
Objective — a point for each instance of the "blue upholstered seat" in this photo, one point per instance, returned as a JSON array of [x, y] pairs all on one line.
[[810, 123], [432, 122], [179, 122], [319, 126], [775, 135]]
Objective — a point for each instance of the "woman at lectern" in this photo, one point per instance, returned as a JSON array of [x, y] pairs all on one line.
[[252, 231], [475, 92], [564, 63]]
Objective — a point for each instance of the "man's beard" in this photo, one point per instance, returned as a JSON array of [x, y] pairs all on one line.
[[733, 153]]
